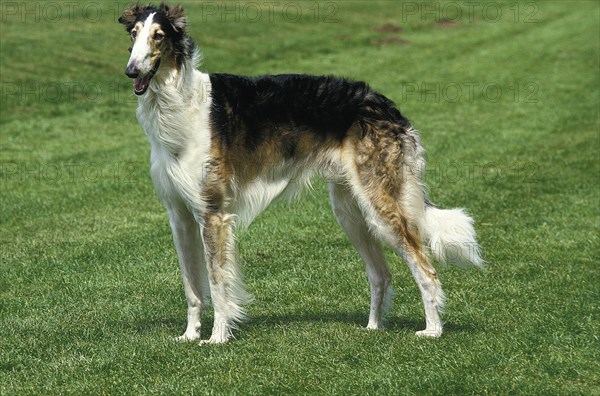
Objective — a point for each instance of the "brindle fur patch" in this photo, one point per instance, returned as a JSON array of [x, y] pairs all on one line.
[[383, 167]]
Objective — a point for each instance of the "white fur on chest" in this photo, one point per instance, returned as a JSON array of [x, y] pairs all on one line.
[[175, 118]]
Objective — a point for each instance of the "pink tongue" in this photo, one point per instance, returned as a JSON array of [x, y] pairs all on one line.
[[139, 84]]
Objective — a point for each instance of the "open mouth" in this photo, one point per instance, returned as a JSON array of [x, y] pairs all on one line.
[[140, 85]]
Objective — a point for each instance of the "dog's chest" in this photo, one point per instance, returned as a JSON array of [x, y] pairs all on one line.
[[179, 152]]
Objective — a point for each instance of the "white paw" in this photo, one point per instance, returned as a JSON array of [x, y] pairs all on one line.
[[188, 337], [214, 340], [374, 326], [429, 333]]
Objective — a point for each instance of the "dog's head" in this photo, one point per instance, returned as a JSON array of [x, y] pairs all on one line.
[[158, 36]]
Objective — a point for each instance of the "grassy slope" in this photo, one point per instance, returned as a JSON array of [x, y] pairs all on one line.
[[90, 292]]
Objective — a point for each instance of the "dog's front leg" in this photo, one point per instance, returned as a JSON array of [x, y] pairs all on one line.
[[226, 285], [188, 244]]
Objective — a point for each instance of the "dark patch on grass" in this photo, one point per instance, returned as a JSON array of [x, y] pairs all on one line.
[[447, 24], [390, 41], [388, 28]]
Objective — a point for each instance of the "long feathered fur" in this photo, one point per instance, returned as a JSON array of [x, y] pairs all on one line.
[[224, 146]]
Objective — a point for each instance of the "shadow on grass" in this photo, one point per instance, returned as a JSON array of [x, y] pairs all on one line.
[[358, 319], [393, 324]]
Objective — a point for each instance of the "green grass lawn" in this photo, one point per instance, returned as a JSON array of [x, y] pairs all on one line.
[[507, 98]]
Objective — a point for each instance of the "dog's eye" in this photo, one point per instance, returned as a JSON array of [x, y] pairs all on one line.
[[133, 34], [158, 36]]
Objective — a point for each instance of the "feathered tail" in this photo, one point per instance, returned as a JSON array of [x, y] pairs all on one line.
[[451, 237]]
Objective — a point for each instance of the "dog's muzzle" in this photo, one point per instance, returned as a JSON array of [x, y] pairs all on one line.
[[140, 84]]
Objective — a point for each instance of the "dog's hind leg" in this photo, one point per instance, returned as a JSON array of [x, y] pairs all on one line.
[[384, 171], [350, 218], [226, 285], [431, 290], [403, 237], [186, 236]]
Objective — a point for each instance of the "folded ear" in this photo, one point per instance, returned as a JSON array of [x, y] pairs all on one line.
[[175, 15], [130, 15]]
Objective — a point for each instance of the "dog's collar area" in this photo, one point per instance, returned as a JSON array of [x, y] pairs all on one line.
[[140, 85]]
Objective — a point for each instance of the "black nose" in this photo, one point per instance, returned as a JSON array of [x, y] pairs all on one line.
[[132, 71]]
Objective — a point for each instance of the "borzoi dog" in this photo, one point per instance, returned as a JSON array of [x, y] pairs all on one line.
[[224, 146]]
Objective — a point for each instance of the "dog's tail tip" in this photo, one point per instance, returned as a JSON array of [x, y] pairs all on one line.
[[451, 237]]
